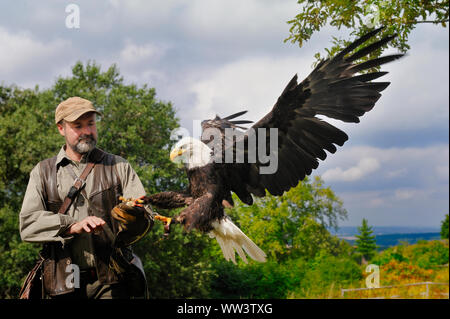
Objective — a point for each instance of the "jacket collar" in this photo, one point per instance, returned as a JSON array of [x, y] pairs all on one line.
[[62, 159]]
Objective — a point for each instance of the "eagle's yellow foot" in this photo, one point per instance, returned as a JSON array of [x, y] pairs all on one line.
[[139, 203], [166, 221]]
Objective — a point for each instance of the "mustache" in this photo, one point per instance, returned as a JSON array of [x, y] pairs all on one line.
[[86, 137]]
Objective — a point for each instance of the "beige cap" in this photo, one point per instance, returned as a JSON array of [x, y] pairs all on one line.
[[72, 108]]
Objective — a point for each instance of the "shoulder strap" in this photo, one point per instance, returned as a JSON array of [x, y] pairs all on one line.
[[95, 157], [77, 185]]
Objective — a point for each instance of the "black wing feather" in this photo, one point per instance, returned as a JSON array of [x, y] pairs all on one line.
[[332, 89]]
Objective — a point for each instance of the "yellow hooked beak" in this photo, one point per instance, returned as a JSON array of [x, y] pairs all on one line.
[[175, 153]]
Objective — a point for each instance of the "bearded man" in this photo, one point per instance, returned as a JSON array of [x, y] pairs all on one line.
[[85, 234]]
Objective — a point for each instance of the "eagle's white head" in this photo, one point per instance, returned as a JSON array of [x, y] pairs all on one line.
[[191, 152]]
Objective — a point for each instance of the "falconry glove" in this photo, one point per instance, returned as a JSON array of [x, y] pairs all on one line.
[[134, 222]]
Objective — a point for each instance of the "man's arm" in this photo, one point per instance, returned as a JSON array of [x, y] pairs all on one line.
[[36, 224], [131, 184]]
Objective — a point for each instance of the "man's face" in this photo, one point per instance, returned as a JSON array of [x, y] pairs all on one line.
[[81, 135]]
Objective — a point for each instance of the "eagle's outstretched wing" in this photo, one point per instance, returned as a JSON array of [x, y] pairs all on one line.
[[333, 90]]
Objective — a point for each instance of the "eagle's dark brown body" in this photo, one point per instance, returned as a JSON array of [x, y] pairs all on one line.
[[202, 180], [206, 185], [204, 198]]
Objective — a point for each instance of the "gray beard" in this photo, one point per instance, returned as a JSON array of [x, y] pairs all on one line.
[[85, 145]]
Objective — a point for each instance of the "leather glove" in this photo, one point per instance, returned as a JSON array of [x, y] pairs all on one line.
[[134, 222]]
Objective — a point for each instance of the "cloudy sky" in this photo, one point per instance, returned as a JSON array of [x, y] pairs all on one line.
[[220, 57]]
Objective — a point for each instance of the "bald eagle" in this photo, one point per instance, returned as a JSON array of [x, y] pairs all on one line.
[[332, 89]]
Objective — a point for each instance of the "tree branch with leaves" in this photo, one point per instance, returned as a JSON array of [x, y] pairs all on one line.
[[399, 17]]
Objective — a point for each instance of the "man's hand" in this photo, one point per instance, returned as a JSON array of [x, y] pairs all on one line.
[[87, 225]]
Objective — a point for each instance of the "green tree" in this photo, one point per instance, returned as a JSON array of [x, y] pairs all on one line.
[[134, 125], [325, 274], [400, 17], [294, 224], [293, 230], [444, 228], [366, 242]]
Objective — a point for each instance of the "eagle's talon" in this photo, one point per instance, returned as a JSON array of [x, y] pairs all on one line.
[[138, 203], [167, 221], [143, 200], [164, 219]]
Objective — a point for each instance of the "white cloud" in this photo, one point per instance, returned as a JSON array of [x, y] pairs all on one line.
[[415, 101], [140, 54], [252, 84], [421, 206], [442, 172], [392, 166], [364, 167], [145, 12], [237, 19], [409, 185], [404, 194], [20, 51], [208, 19], [376, 202], [396, 173]]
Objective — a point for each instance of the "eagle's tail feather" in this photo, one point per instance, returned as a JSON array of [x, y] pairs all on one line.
[[231, 239]]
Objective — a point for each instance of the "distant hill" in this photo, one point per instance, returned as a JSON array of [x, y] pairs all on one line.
[[348, 231], [388, 236], [389, 240]]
